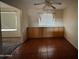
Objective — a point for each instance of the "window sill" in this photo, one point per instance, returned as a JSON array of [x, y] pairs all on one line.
[[8, 29]]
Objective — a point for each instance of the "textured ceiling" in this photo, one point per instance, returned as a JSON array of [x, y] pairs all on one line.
[[29, 4]]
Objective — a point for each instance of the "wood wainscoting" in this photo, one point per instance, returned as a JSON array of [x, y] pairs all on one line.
[[41, 32]]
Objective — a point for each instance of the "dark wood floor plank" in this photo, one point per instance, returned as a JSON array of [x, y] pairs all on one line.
[[45, 48]]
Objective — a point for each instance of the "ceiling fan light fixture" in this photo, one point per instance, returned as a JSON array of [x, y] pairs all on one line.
[[49, 10]]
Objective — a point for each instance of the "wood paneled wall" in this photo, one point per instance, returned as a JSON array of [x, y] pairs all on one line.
[[37, 32]]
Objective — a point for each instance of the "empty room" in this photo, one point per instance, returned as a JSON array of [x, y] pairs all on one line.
[[39, 29]]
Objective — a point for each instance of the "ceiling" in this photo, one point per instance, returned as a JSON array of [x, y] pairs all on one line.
[[5, 7], [65, 3], [29, 4]]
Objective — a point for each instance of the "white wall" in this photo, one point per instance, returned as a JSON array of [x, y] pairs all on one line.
[[24, 24], [34, 18], [71, 23]]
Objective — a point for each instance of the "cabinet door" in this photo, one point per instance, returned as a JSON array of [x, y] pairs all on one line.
[[34, 32], [53, 32], [47, 32], [61, 32]]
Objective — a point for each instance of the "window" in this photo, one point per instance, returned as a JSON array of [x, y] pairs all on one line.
[[8, 21], [10, 24], [46, 20]]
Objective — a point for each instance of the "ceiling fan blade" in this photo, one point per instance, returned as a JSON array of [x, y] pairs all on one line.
[[53, 7], [47, 1], [59, 3], [39, 3]]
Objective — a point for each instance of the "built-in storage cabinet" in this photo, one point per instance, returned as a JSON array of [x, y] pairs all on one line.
[[34, 32], [37, 32]]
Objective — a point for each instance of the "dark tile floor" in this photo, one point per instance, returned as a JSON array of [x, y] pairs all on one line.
[[45, 48]]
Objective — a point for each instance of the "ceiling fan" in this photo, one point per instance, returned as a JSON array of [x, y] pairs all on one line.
[[49, 3]]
